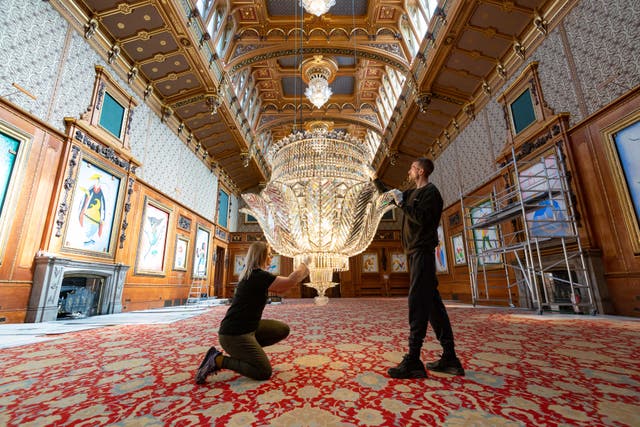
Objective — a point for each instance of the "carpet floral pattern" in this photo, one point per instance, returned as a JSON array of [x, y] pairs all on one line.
[[522, 369]]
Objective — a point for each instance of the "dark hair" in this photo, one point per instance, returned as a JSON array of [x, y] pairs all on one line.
[[426, 165]]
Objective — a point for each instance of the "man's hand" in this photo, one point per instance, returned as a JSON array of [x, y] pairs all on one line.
[[397, 196]]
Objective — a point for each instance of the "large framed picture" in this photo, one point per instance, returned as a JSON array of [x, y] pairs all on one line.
[[541, 177], [274, 266], [95, 209], [399, 263], [181, 253], [238, 264], [457, 244], [622, 142], [201, 253], [152, 244], [370, 263], [550, 219], [484, 239], [442, 266]]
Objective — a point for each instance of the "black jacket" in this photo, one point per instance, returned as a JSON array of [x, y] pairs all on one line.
[[422, 208]]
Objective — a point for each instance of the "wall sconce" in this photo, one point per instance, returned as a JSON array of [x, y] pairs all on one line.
[[166, 113], [440, 13], [519, 49], [147, 91], [486, 88], [132, 74], [469, 110], [113, 53], [204, 38], [180, 128], [192, 15], [245, 157], [213, 102], [540, 23], [501, 70]]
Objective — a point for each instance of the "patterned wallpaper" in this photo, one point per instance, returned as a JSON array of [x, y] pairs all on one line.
[[40, 27], [603, 41]]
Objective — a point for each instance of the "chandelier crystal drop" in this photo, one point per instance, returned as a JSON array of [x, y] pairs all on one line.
[[318, 91], [317, 7], [320, 202]]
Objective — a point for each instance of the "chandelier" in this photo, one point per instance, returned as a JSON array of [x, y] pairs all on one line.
[[320, 202], [317, 7], [318, 72]]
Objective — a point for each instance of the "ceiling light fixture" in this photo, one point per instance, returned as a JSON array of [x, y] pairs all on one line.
[[318, 72], [317, 7], [319, 202]]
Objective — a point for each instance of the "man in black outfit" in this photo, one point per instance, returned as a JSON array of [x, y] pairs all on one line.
[[422, 208]]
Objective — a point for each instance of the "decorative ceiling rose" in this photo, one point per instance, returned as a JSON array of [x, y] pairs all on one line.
[[320, 202], [317, 7], [318, 72]]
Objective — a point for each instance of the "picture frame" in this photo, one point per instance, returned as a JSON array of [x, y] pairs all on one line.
[[550, 219], [274, 266], [181, 253], [223, 208], [152, 241], [96, 205], [238, 264], [389, 216], [623, 155], [250, 219], [459, 253], [399, 263], [442, 265], [370, 262], [484, 238], [201, 252], [541, 177], [14, 149]]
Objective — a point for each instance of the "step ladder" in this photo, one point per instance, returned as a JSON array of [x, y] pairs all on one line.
[[196, 290]]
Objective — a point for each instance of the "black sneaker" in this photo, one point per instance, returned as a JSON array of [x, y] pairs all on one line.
[[208, 366], [410, 367], [452, 366]]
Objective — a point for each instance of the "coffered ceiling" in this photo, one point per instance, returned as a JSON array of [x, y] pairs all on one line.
[[185, 61]]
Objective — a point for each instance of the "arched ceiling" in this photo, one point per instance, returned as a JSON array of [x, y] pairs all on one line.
[[167, 49]]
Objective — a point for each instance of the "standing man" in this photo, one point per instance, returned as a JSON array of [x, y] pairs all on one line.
[[422, 207]]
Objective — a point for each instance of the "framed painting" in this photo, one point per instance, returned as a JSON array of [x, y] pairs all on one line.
[[442, 266], [399, 263], [623, 153], [181, 253], [238, 264], [250, 219], [370, 263], [541, 177], [389, 215], [201, 253], [550, 219], [14, 147], [95, 209], [457, 244], [274, 266], [484, 239], [152, 243]]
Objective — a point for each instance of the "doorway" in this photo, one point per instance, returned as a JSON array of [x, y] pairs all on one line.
[[218, 278]]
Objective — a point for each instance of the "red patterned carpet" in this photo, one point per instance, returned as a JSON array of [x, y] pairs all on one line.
[[522, 369]]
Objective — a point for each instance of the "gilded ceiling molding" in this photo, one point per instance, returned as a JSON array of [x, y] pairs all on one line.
[[367, 121], [363, 51]]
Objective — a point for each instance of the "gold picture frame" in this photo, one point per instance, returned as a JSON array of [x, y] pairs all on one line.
[[151, 255], [623, 154]]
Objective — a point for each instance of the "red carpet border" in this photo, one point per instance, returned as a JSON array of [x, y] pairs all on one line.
[[522, 369]]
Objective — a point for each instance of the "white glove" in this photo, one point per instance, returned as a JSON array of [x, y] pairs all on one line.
[[397, 196]]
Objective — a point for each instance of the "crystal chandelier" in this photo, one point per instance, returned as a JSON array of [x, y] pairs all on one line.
[[318, 72], [317, 7], [319, 202]]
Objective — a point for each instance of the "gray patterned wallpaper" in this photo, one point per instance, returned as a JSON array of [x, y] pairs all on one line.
[[603, 42], [53, 48]]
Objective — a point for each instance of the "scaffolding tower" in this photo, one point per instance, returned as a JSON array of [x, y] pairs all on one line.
[[524, 233]]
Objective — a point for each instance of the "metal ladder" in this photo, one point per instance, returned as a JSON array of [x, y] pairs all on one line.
[[195, 291]]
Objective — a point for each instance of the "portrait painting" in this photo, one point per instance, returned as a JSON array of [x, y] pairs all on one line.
[[181, 253], [94, 210], [399, 263], [201, 252], [457, 244], [370, 263], [152, 243], [550, 219], [485, 239], [441, 252], [238, 264]]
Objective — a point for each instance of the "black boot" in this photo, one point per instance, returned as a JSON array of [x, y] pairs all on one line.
[[448, 366], [410, 367]]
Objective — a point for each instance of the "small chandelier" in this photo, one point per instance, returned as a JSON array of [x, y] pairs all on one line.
[[317, 7], [318, 72], [320, 202]]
